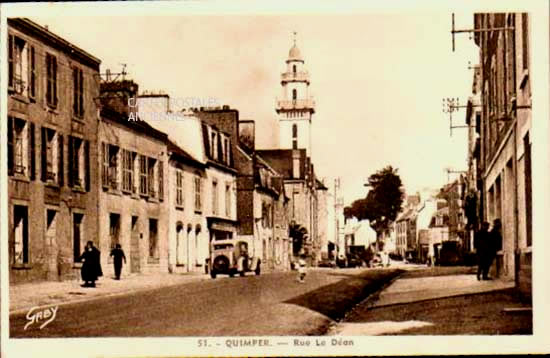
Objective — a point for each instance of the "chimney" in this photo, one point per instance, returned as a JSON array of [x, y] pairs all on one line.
[[120, 96]]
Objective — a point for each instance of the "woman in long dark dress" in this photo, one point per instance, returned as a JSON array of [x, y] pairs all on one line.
[[91, 266]]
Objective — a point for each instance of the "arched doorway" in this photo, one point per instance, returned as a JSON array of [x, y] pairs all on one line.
[[179, 244], [187, 242], [197, 247], [298, 235]]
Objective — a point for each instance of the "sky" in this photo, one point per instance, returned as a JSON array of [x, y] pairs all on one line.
[[378, 80]]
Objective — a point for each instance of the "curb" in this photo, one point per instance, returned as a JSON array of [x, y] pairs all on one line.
[[372, 297], [465, 294], [106, 295]]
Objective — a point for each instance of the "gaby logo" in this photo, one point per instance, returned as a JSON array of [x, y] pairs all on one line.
[[37, 315]]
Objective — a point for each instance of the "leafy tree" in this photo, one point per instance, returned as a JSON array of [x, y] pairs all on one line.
[[384, 200]]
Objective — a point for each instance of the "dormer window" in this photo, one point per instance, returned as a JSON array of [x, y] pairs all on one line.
[[294, 94], [214, 144]]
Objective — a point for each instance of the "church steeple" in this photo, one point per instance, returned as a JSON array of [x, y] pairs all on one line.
[[296, 107]]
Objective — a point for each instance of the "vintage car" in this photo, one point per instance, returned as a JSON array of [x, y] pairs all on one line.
[[230, 257]]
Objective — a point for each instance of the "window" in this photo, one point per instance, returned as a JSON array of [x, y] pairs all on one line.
[[143, 188], [294, 94], [127, 171], [77, 159], [113, 166], [153, 240], [294, 136], [114, 229], [20, 147], [105, 164], [214, 197], [17, 61], [151, 176], [78, 92], [198, 189], [32, 73], [179, 187], [213, 145], [51, 83], [20, 235], [228, 200], [161, 179], [294, 68], [77, 236], [227, 151], [52, 156]]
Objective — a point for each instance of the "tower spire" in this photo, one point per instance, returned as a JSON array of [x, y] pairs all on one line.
[[294, 37]]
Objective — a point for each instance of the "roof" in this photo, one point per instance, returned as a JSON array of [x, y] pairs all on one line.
[[294, 54], [43, 34], [137, 125], [182, 154], [320, 185]]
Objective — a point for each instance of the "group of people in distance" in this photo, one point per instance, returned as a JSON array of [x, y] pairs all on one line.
[[487, 244], [91, 264]]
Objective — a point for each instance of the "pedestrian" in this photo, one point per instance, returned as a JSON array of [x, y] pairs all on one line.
[[302, 268], [118, 256], [482, 244], [91, 265]]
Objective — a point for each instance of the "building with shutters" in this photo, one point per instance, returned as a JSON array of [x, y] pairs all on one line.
[[219, 128], [133, 167], [262, 205], [52, 153]]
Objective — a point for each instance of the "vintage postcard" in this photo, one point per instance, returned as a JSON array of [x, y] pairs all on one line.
[[204, 178]]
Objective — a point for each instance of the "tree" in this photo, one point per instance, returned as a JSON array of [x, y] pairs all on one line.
[[356, 209], [384, 200]]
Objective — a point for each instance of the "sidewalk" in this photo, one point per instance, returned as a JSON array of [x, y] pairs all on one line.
[[448, 304], [25, 296]]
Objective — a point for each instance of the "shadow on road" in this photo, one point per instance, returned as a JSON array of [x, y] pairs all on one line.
[[336, 299]]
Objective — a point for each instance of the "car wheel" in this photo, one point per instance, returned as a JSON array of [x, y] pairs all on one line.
[[241, 273], [231, 274], [213, 274], [257, 271]]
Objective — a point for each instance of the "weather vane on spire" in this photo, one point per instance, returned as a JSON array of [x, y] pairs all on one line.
[[294, 37]]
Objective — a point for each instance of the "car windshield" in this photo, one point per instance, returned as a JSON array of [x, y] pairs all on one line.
[[223, 246]]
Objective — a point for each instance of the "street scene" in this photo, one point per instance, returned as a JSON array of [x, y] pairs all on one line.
[[274, 177]]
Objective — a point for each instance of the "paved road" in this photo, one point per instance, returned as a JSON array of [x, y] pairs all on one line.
[[270, 304]]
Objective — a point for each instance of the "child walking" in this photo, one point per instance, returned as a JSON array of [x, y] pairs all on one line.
[[302, 268]]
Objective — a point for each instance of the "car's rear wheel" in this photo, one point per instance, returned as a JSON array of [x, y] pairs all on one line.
[[257, 271], [213, 274]]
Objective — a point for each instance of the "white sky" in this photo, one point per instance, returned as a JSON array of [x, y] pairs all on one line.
[[378, 80]]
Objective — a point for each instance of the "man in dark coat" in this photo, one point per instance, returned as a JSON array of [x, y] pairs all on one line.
[[482, 244], [118, 256], [91, 266]]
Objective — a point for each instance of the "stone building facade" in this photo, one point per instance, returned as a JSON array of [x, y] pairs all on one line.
[[133, 162], [505, 140], [52, 153], [187, 229]]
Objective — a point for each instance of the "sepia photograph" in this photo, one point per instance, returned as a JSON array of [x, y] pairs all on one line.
[[199, 180]]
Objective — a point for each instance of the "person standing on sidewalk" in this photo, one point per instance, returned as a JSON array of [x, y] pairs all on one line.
[[118, 256], [482, 244], [91, 266]]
